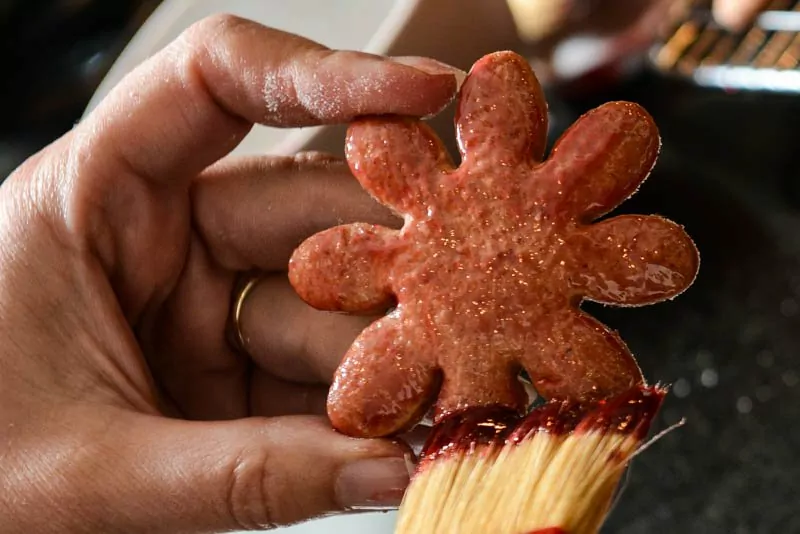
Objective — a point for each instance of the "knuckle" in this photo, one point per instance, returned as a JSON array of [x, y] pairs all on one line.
[[214, 26], [252, 491], [315, 158]]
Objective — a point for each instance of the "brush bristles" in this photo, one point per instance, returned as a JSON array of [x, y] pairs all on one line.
[[548, 481]]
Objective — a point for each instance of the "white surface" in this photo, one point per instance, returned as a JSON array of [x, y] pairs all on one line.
[[374, 523]]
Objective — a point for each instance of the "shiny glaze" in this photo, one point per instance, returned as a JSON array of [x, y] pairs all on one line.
[[474, 430], [494, 258], [486, 430], [628, 413]]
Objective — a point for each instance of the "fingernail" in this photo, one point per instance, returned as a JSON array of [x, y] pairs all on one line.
[[373, 484], [431, 66]]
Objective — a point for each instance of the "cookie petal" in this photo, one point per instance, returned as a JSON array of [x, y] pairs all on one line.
[[599, 162], [344, 268], [632, 260], [580, 359], [398, 161], [385, 383], [502, 114]]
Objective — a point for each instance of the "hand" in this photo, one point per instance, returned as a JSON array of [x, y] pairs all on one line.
[[123, 405]]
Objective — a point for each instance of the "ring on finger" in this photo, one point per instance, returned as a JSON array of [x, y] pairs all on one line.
[[245, 288]]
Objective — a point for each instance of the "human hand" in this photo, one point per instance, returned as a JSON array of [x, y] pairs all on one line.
[[124, 407]]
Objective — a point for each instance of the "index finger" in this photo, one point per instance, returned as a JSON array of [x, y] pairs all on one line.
[[193, 102]]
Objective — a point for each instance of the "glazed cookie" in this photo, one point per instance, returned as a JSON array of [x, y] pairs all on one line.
[[487, 274]]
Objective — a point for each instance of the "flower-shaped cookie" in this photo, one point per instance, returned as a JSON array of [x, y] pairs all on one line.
[[494, 258]]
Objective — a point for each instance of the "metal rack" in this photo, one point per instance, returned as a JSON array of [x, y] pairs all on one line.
[[766, 56]]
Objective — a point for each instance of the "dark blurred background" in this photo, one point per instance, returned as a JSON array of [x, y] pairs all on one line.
[[54, 54], [729, 171]]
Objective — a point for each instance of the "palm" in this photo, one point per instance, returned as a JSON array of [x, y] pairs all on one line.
[[185, 256]]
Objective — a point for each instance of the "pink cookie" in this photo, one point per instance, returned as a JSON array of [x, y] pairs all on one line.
[[494, 258]]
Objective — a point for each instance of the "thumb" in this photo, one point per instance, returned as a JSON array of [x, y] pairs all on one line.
[[177, 476]]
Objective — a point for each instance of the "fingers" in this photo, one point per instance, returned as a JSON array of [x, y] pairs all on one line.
[[186, 346], [252, 213], [291, 340], [119, 189], [736, 14], [632, 260], [162, 476], [502, 113], [398, 161], [199, 96], [292, 350], [599, 161], [272, 397]]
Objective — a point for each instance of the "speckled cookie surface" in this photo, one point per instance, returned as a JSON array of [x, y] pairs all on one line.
[[494, 258]]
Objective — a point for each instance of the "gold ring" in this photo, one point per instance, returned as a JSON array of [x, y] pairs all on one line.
[[238, 306]]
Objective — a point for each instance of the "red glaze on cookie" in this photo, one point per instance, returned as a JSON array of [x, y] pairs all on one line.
[[494, 258], [489, 430]]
